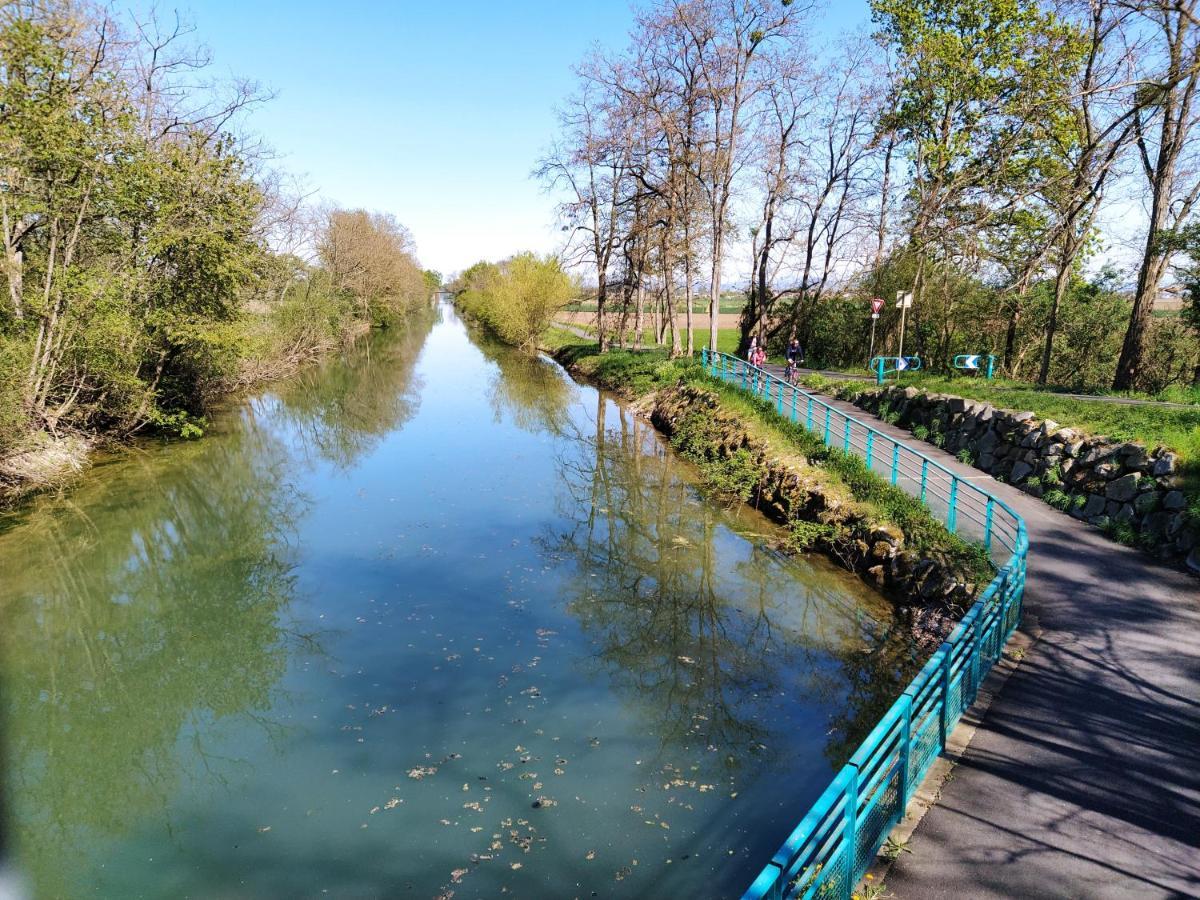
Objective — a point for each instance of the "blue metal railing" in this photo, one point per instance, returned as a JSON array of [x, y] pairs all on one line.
[[833, 846]]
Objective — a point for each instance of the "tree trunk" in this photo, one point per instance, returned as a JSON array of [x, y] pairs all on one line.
[[1062, 280], [714, 288], [639, 297], [687, 293], [883, 199], [601, 297]]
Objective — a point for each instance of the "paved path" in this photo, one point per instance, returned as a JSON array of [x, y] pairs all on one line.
[[1083, 780]]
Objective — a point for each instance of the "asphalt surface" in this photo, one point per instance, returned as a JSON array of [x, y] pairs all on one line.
[[1083, 779]]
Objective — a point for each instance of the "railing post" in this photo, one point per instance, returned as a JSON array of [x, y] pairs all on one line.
[[794, 392], [779, 390], [851, 814], [846, 437], [905, 748], [808, 418], [895, 462], [944, 723], [827, 411], [987, 524], [924, 478], [870, 447], [952, 512]]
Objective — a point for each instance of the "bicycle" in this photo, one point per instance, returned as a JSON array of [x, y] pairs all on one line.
[[792, 372]]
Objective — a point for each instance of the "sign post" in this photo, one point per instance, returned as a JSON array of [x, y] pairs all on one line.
[[903, 302], [876, 306]]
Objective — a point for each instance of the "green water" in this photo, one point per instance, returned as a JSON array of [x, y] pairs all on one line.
[[428, 619]]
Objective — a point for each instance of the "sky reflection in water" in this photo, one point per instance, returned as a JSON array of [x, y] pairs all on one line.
[[430, 618]]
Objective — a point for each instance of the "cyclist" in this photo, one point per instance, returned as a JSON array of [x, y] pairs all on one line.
[[795, 356]]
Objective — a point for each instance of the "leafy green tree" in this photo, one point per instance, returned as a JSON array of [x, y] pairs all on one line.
[[977, 80], [518, 298]]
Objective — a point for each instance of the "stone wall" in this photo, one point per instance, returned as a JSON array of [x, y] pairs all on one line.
[[1105, 483]]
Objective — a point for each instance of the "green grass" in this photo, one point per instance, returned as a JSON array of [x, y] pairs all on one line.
[[1171, 427]]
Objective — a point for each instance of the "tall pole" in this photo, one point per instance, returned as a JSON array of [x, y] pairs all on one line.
[[871, 352]]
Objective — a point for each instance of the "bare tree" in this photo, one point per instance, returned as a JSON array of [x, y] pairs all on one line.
[[1168, 153]]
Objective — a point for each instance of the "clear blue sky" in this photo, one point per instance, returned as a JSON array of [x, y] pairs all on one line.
[[435, 112]]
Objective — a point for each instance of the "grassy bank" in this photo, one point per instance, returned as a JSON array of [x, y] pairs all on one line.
[[1166, 426], [866, 497]]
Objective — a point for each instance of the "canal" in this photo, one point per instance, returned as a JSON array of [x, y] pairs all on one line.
[[429, 620]]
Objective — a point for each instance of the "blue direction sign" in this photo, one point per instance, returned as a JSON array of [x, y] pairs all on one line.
[[971, 362], [882, 365]]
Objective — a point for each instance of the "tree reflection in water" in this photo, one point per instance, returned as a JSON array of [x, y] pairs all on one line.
[[144, 633], [135, 628], [531, 390], [716, 653], [342, 409]]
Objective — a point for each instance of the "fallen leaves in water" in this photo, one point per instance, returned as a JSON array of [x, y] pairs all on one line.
[[591, 854], [264, 829], [421, 771]]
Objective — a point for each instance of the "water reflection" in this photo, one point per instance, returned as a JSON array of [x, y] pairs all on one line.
[[711, 634], [146, 609], [341, 409], [530, 390], [348, 641]]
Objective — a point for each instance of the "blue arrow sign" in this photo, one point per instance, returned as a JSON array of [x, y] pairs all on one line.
[[971, 362], [901, 364]]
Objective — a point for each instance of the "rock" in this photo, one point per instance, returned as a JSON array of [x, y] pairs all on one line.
[[1020, 472], [1135, 457], [1123, 489], [1073, 448], [1113, 509], [1175, 525], [1094, 453], [1156, 523], [986, 413], [1049, 427], [1174, 500], [1107, 471], [1034, 489], [1126, 514], [1066, 435], [1095, 506], [1100, 521], [1147, 503], [988, 441], [1021, 416], [1164, 465]]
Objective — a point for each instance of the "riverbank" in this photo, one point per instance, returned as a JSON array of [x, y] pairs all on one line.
[[42, 462], [827, 499]]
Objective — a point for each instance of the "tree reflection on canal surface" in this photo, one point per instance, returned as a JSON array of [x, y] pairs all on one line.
[[427, 619]]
